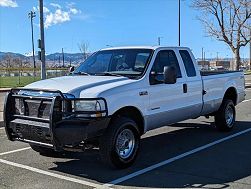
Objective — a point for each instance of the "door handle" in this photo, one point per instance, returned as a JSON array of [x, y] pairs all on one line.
[[184, 88]]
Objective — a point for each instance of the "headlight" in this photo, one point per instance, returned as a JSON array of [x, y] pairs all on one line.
[[89, 108]]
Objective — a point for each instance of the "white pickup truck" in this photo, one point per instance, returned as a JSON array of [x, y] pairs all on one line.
[[117, 95]]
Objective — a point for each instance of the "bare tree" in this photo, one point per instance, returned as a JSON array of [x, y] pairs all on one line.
[[228, 21], [7, 63], [84, 47]]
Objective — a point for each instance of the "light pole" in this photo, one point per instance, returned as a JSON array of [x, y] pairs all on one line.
[[159, 38], [179, 22], [31, 16], [42, 46]]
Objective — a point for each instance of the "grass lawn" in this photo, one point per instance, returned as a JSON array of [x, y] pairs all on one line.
[[247, 72], [16, 81]]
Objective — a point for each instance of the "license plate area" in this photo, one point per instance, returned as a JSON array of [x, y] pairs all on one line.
[[31, 130]]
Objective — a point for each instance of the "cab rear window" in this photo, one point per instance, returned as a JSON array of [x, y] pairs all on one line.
[[188, 63]]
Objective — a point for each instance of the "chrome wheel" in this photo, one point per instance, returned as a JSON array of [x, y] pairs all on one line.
[[125, 143], [229, 115]]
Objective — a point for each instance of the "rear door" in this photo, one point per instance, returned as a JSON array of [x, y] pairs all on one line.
[[193, 84]]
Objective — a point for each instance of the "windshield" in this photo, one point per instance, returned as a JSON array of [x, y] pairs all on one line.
[[122, 62]]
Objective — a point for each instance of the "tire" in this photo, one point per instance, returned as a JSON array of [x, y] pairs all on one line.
[[119, 145], [44, 151], [225, 116]]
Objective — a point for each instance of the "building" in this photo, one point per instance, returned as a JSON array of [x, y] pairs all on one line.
[[204, 64], [220, 64]]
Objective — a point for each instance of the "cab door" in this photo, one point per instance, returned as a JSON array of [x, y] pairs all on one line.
[[167, 102]]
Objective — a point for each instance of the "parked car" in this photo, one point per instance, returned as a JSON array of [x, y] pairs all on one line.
[[117, 95]]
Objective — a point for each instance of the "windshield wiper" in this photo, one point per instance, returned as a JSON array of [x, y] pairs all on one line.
[[109, 74], [81, 73]]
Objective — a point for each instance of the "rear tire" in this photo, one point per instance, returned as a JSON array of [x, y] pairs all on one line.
[[225, 116], [120, 143]]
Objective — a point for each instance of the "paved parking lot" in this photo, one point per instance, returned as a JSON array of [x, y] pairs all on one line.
[[190, 154]]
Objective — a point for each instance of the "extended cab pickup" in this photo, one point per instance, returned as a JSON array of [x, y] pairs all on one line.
[[117, 95]]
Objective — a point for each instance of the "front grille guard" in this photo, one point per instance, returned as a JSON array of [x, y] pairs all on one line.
[[57, 111]]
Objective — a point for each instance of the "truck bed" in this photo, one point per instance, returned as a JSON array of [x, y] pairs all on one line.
[[215, 84], [207, 73]]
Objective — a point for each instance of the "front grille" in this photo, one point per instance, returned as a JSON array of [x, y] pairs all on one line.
[[33, 108]]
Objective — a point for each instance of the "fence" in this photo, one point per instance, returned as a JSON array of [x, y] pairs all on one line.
[[19, 78]]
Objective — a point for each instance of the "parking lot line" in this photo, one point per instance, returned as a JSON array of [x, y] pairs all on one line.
[[246, 100], [86, 183], [13, 151], [168, 161]]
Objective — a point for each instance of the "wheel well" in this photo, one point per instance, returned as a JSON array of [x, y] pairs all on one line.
[[133, 113], [231, 94]]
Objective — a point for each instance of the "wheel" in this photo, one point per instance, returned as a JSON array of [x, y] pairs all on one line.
[[225, 116], [120, 144], [43, 150]]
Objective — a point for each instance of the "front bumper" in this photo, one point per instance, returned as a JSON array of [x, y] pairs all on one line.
[[54, 129]]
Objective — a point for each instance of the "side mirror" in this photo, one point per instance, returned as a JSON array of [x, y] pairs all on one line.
[[170, 75], [71, 69]]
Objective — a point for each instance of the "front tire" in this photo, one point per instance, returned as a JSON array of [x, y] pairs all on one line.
[[120, 144], [225, 116]]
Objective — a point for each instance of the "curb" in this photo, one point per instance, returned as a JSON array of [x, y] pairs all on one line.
[[4, 90]]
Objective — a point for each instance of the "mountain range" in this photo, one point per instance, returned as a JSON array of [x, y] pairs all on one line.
[[57, 57]]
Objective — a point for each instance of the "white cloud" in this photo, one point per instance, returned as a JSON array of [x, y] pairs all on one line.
[[56, 18], [57, 14], [60, 14], [55, 5], [74, 11], [46, 10], [8, 3]]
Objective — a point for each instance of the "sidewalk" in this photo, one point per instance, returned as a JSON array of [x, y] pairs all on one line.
[[3, 91], [1, 119]]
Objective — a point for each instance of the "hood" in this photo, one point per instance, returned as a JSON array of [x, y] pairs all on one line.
[[75, 84]]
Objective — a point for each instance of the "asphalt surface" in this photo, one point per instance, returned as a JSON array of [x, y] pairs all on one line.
[[190, 154]]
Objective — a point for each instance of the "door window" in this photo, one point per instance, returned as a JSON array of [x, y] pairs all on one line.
[[164, 58]]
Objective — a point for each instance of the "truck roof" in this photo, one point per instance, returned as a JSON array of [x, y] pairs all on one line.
[[144, 47]]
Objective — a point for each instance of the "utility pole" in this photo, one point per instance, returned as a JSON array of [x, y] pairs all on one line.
[[31, 16], [202, 54], [63, 56], [250, 51], [179, 22], [42, 46]]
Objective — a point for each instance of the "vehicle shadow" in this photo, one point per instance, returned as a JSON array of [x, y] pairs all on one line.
[[219, 165]]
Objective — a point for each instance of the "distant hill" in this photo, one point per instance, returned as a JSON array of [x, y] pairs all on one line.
[[14, 55], [73, 57]]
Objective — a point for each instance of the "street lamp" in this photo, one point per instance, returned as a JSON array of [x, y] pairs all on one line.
[[31, 16]]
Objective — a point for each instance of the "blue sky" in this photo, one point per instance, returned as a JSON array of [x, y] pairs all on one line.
[[105, 22]]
